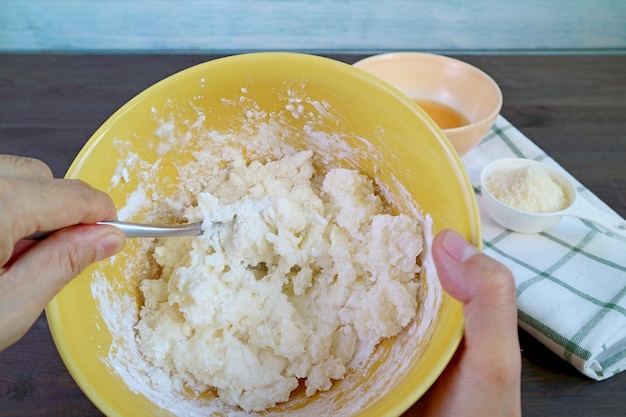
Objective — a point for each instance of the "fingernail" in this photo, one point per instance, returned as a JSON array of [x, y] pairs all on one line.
[[109, 245], [457, 247]]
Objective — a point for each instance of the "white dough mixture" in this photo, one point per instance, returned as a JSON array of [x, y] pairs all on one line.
[[293, 276]]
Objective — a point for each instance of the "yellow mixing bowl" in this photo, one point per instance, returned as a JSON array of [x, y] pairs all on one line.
[[348, 118]]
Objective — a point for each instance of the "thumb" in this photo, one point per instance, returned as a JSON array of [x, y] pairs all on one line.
[[484, 286], [483, 379], [50, 264], [39, 271], [56, 260]]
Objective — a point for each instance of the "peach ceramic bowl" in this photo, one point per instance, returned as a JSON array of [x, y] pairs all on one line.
[[458, 86]]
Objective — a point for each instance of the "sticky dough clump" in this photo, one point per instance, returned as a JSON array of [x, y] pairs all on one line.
[[288, 282]]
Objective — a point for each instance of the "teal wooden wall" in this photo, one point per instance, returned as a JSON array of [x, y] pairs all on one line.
[[316, 26]]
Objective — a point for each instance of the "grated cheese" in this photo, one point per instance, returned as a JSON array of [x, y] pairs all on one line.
[[527, 188]]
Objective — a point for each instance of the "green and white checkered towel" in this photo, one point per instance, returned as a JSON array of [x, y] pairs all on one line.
[[571, 279]]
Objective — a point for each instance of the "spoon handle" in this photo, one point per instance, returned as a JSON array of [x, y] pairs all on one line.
[[132, 230], [147, 230], [584, 210]]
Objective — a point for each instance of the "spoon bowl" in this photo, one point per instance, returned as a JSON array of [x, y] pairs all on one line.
[[524, 221]]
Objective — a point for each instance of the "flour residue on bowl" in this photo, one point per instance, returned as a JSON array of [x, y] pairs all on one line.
[[265, 136]]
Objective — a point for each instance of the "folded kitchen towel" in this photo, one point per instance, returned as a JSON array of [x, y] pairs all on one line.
[[571, 279]]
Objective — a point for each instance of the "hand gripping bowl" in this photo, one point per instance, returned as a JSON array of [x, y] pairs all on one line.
[[342, 113]]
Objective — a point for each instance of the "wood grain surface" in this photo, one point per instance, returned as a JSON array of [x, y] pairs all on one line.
[[574, 107], [321, 25]]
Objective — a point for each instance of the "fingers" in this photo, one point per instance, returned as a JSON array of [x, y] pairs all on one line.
[[32, 273], [36, 204], [36, 276], [21, 167], [31, 200]]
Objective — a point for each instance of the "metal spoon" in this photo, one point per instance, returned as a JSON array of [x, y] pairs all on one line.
[[141, 230], [151, 230]]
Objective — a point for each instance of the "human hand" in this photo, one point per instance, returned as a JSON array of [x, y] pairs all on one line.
[[31, 273], [483, 379]]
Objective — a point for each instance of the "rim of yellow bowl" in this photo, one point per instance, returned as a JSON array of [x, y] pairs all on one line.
[[454, 329]]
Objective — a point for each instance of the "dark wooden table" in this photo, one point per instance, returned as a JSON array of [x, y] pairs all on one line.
[[574, 107]]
